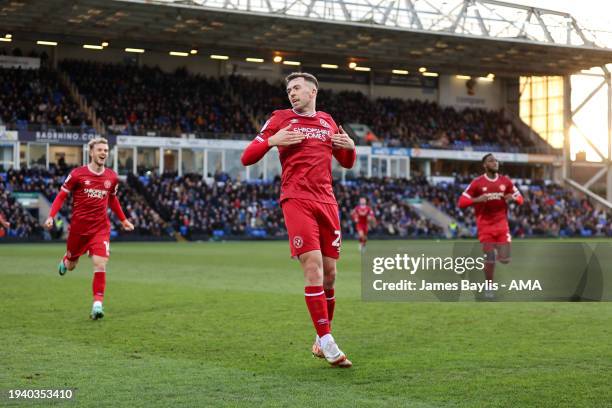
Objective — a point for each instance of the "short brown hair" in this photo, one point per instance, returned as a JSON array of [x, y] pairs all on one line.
[[307, 77], [95, 141]]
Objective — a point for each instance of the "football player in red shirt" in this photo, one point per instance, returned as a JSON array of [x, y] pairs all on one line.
[[306, 141], [490, 195], [94, 189], [362, 216]]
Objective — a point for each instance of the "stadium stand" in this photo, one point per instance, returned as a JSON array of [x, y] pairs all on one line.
[[133, 100], [225, 208], [36, 100], [23, 225]]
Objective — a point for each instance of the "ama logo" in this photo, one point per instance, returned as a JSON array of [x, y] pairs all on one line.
[[324, 124]]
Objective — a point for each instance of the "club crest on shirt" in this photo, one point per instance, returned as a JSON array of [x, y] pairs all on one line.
[[107, 184], [502, 188], [298, 242], [324, 123], [484, 189], [87, 182]]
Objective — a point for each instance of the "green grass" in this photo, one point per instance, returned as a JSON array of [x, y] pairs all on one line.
[[224, 324]]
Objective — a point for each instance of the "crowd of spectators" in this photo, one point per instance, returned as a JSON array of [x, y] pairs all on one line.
[[22, 223], [197, 209], [142, 100], [35, 99], [146, 221], [234, 208], [134, 100]]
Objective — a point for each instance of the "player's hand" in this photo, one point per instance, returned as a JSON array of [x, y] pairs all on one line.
[[342, 140], [48, 223], [6, 224], [127, 225], [481, 198], [286, 137]]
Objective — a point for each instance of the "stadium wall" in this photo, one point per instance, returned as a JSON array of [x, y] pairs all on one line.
[[476, 93]]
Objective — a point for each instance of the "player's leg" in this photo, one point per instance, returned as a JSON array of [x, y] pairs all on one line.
[[488, 248], [330, 238], [504, 249], [329, 282], [98, 286], [99, 251], [75, 247]]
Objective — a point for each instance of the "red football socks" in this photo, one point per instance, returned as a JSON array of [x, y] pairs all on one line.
[[489, 268], [317, 306], [98, 285], [330, 297]]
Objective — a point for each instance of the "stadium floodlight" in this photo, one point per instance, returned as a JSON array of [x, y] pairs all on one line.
[[193, 52], [352, 65], [105, 44], [463, 77], [219, 57], [491, 76], [51, 43], [430, 74], [278, 58], [422, 69], [9, 36], [296, 63], [179, 54], [400, 72], [93, 47], [135, 50], [4, 39], [258, 60], [329, 66], [364, 69]]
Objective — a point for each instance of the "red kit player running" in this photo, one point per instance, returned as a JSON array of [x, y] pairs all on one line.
[[362, 216], [306, 141], [94, 189], [490, 195]]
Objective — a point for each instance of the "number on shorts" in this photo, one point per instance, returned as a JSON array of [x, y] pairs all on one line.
[[107, 245], [336, 242], [509, 237]]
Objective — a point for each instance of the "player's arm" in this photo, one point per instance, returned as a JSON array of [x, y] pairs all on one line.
[[66, 188], [515, 196], [469, 197], [115, 207], [344, 149], [268, 137], [4, 222]]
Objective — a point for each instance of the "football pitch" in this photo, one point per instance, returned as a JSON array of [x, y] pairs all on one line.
[[225, 324]]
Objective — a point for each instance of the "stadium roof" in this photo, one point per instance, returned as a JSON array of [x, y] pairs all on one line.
[[472, 37]]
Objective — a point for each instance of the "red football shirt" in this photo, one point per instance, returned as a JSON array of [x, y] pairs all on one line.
[[90, 196], [491, 215], [306, 167], [361, 214]]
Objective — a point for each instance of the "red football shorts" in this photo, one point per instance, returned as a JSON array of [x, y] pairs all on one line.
[[312, 225], [97, 244], [497, 237], [362, 228]]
